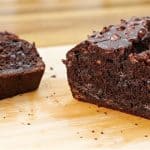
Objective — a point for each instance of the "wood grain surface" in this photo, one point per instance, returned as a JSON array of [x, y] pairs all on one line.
[[50, 119], [56, 22]]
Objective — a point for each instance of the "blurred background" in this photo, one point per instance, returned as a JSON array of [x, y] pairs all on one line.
[[60, 22]]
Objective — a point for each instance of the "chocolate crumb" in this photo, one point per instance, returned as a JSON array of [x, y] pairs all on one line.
[[28, 123], [4, 117], [97, 110], [146, 136], [81, 137], [136, 124], [30, 114], [105, 113], [95, 138], [53, 76], [51, 68], [93, 131], [121, 131], [102, 132]]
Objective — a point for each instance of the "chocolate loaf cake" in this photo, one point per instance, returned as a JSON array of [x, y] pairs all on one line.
[[21, 67], [112, 67]]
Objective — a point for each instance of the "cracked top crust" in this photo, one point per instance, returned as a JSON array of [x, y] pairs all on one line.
[[122, 35]]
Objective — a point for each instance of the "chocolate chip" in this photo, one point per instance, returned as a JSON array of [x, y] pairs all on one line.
[[142, 33], [98, 62], [122, 27]]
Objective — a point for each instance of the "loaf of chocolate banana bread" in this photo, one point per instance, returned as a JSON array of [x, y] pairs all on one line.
[[21, 67], [112, 67]]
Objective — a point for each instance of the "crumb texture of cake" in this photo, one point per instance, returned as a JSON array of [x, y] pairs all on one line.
[[112, 67], [21, 67]]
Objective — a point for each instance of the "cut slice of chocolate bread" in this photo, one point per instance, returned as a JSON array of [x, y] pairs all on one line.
[[21, 67], [112, 67]]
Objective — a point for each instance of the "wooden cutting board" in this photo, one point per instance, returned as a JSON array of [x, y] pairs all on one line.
[[50, 118]]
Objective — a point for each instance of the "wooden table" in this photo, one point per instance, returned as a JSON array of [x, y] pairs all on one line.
[[50, 119], [53, 22]]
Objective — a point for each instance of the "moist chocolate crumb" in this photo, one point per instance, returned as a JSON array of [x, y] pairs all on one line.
[[53, 76], [104, 68], [20, 64]]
